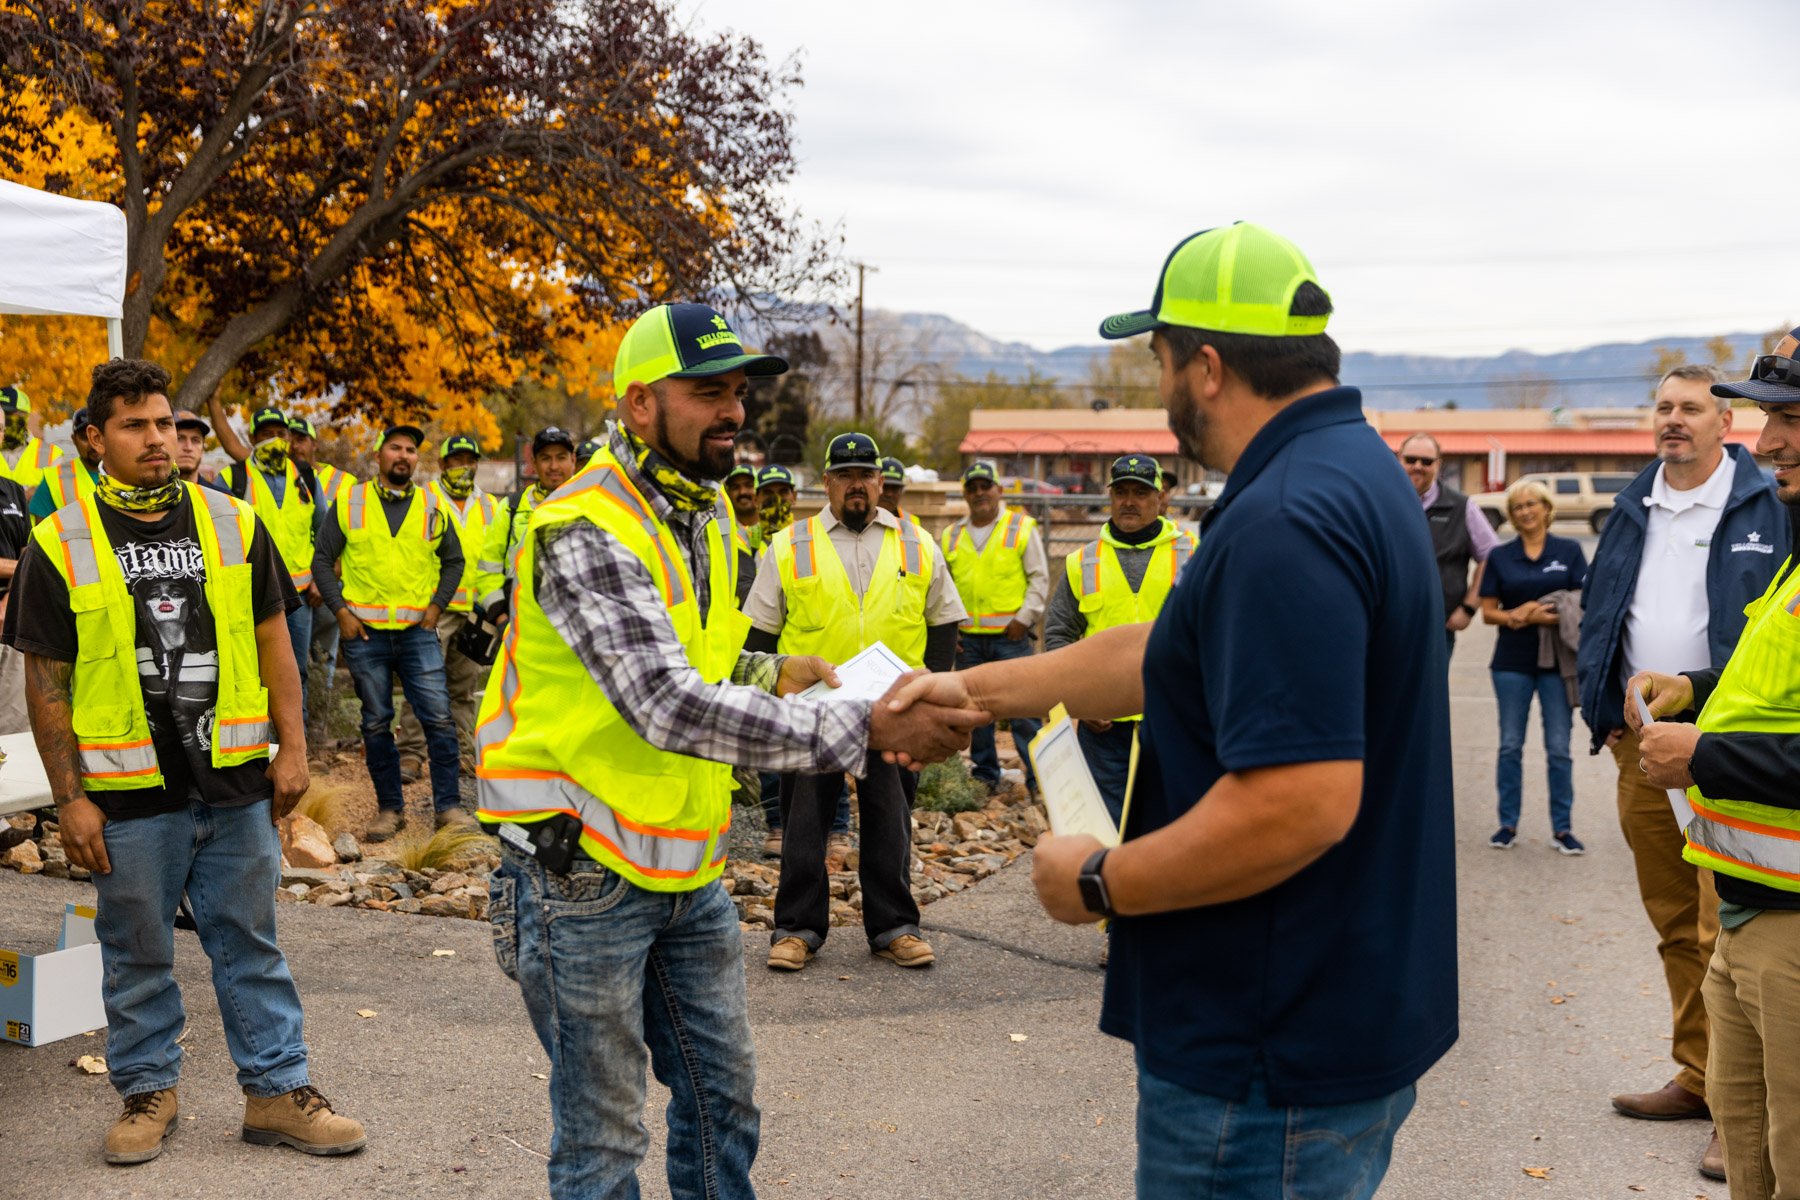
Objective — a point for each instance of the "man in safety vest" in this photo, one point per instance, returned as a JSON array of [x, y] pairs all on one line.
[[774, 504], [284, 492], [606, 735], [997, 558], [1120, 578], [1737, 761], [334, 485], [470, 511], [68, 479], [893, 488], [157, 669], [400, 573], [24, 457], [834, 585], [739, 489], [553, 460]]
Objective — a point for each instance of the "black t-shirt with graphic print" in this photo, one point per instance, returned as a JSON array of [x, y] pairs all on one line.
[[178, 660]]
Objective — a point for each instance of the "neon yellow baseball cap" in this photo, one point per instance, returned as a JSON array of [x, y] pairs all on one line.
[[1234, 279], [684, 341]]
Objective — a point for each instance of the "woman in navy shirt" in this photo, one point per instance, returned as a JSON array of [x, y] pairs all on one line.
[[1517, 575]]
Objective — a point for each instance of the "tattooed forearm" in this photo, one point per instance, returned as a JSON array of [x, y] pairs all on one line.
[[49, 700]]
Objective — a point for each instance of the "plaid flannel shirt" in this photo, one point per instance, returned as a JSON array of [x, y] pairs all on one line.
[[607, 606]]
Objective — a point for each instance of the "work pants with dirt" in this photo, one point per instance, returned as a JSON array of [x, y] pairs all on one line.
[[1681, 903], [803, 900], [465, 678]]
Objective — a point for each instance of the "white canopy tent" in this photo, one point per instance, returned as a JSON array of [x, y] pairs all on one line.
[[62, 257]]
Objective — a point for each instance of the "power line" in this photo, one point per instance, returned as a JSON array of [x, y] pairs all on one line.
[[1408, 385]]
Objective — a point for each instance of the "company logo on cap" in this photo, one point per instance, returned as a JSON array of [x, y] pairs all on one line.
[[724, 336]]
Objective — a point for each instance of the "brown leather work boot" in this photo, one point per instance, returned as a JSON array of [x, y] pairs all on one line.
[[908, 951], [303, 1119], [461, 818], [137, 1136], [386, 824], [1671, 1102], [1712, 1163], [789, 954], [837, 852]]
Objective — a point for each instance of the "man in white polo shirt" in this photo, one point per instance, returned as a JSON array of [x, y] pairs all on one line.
[[1697, 536]]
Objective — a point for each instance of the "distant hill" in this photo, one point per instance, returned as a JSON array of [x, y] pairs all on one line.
[[1609, 375]]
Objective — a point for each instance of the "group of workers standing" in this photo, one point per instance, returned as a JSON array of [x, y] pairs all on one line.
[[1274, 691]]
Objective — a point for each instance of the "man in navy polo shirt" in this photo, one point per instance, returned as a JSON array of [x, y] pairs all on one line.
[[1284, 954]]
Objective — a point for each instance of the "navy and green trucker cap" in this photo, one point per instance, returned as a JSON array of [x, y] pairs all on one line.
[[1136, 468], [980, 470], [744, 469], [14, 400], [587, 450], [462, 443], [776, 474], [402, 429], [302, 426], [267, 416], [1774, 378], [849, 450], [684, 341], [1234, 279], [892, 471]]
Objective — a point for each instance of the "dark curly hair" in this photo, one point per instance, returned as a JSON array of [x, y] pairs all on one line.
[[123, 380]]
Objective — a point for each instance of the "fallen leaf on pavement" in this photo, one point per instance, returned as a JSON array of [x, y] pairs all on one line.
[[92, 1064], [365, 1012], [1018, 1037], [443, 954], [1537, 1172], [539, 1075]]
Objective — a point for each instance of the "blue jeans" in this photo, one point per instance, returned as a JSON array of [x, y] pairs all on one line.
[[414, 655], [972, 650], [771, 805], [1514, 689], [613, 974], [1193, 1145], [228, 862], [1109, 761], [300, 633], [325, 638]]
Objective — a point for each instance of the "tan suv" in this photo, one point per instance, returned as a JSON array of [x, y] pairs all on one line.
[[1579, 496]]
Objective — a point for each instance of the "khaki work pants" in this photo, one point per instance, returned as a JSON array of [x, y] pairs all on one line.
[[1681, 903], [465, 678], [1753, 1074]]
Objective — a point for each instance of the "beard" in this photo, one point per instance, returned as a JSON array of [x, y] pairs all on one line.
[[1678, 452], [1188, 424], [707, 462]]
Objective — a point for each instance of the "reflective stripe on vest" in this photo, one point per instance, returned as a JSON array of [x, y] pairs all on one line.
[[1758, 691], [289, 520], [670, 854], [825, 614], [970, 568], [379, 587]]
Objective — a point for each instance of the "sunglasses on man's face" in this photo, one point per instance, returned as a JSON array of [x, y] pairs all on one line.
[[1417, 460]]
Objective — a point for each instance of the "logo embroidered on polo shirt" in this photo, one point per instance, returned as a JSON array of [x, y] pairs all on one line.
[[1752, 542], [1555, 564]]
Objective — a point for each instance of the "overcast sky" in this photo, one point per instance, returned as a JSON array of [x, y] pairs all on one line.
[[1466, 178]]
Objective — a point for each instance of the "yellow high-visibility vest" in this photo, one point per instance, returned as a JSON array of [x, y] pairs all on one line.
[[471, 530], [288, 520], [35, 457], [112, 730], [69, 480], [551, 742], [1103, 593], [1759, 691], [991, 580], [826, 617], [389, 578], [500, 546], [334, 483]]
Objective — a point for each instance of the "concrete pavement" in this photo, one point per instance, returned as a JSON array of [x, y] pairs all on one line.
[[889, 1083]]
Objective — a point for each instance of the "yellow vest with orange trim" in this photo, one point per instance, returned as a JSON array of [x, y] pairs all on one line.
[[1104, 594], [991, 580], [389, 577], [549, 741], [826, 617], [334, 483], [471, 530], [36, 457], [112, 730], [288, 520], [1758, 691], [69, 480]]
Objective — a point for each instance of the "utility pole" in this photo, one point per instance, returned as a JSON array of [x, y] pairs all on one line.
[[860, 268]]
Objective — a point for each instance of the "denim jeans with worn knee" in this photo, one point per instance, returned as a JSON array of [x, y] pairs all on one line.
[[413, 654], [1513, 690], [1191, 1144], [614, 975], [228, 863]]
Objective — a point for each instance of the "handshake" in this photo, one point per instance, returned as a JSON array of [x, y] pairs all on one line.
[[923, 718]]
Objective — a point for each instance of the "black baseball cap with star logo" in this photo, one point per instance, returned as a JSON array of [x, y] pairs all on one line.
[[684, 341], [892, 471], [267, 416], [774, 474], [462, 443], [1136, 468], [852, 450]]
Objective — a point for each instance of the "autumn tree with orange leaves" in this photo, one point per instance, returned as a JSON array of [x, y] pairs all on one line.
[[405, 205]]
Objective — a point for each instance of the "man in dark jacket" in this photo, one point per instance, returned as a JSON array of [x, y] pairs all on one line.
[[1739, 760], [1693, 539]]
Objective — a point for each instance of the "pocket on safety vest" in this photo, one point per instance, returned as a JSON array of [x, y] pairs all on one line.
[[95, 637], [100, 720], [807, 610], [1769, 658], [231, 592]]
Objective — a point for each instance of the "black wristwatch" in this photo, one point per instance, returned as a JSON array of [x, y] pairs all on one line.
[[1093, 885], [1468, 609]]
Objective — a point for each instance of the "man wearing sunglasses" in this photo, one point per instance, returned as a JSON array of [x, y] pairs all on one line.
[[1459, 533], [1731, 737]]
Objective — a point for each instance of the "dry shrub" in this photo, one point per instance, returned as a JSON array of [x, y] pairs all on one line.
[[447, 848], [324, 803]]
